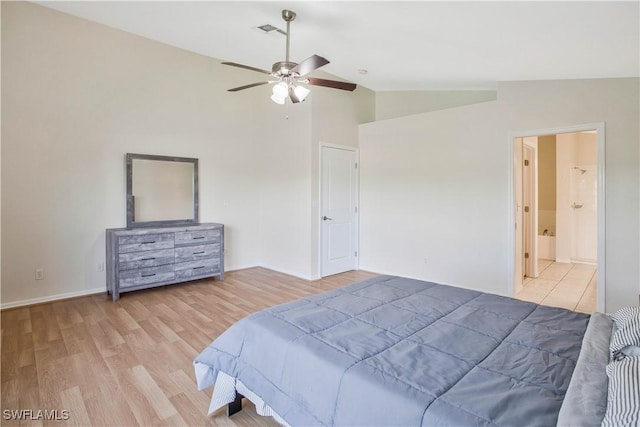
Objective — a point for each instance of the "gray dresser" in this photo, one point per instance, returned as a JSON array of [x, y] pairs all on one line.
[[140, 258]]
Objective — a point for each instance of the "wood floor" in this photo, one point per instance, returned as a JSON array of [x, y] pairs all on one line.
[[130, 362]]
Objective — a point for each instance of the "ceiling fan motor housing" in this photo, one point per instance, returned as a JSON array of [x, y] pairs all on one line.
[[283, 68]]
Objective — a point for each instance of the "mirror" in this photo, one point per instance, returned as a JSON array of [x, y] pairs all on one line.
[[161, 190]]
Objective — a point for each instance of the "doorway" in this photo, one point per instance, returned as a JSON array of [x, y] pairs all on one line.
[[558, 229], [338, 209]]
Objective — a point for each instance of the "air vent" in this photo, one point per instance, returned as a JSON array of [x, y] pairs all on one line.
[[268, 28]]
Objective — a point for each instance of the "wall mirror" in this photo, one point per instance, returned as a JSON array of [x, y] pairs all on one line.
[[161, 190]]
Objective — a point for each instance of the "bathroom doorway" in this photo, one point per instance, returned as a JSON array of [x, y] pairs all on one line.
[[558, 217]]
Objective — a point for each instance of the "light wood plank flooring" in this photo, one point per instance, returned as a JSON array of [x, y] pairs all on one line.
[[130, 362], [566, 285]]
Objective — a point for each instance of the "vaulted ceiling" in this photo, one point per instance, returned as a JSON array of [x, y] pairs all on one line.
[[417, 45]]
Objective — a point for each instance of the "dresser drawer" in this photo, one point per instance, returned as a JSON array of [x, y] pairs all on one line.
[[131, 260], [145, 242], [146, 275], [198, 252], [197, 236], [185, 270]]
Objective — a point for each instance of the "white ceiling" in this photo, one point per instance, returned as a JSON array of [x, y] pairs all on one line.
[[418, 45]]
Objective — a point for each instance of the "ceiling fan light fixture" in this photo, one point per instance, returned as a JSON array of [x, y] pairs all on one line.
[[281, 90], [278, 99], [301, 92]]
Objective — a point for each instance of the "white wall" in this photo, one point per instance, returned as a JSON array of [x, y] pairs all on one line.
[[290, 243], [429, 190], [435, 186], [77, 96], [333, 124], [393, 104]]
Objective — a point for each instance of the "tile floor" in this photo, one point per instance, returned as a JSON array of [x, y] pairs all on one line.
[[571, 286]]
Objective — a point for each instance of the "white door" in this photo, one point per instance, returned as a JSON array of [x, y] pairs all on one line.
[[339, 206], [584, 203]]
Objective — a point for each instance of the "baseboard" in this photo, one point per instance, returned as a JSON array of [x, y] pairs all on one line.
[[289, 272], [50, 298], [239, 267], [56, 297], [391, 273]]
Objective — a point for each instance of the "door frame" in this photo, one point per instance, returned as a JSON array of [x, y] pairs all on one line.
[[599, 127], [320, 206], [530, 233]]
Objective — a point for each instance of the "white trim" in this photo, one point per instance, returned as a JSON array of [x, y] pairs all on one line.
[[240, 267], [404, 274], [51, 298], [94, 291], [356, 150], [599, 127], [288, 272]]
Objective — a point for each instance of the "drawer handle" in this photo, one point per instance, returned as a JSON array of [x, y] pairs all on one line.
[[198, 237], [199, 253], [146, 243], [197, 268], [147, 259], [149, 275]]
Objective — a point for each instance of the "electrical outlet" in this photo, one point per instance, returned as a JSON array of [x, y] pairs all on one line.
[[226, 251], [39, 273], [101, 266]]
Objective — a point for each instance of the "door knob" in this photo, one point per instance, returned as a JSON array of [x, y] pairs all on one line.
[[326, 218]]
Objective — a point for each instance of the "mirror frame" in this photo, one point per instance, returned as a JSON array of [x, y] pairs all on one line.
[[131, 223]]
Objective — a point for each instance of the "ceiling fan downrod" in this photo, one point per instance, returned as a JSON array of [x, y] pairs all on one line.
[[288, 16]]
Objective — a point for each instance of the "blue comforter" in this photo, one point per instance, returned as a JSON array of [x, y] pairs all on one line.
[[396, 351]]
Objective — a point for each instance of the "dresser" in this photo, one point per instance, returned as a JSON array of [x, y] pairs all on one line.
[[140, 258]]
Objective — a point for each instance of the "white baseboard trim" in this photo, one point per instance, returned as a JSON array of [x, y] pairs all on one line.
[[290, 273], [56, 297], [470, 288], [50, 298], [239, 267]]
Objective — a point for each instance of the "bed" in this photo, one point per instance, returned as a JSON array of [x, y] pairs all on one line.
[[398, 351]]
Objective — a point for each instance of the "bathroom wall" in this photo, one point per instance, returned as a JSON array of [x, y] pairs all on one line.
[[571, 149], [547, 184]]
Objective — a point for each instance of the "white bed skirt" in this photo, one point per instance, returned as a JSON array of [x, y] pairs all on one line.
[[225, 388]]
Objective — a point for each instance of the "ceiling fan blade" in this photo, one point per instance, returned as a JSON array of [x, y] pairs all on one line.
[[308, 65], [235, 89], [331, 83], [292, 95], [246, 67]]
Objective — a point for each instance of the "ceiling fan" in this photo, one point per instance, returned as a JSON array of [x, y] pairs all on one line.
[[290, 75]]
